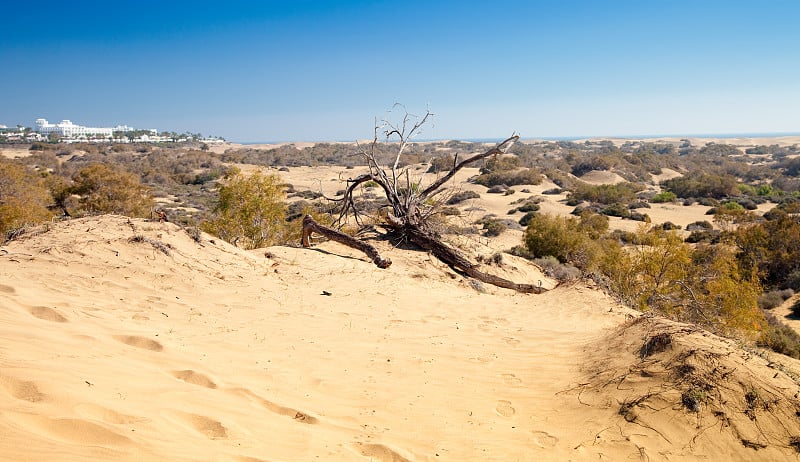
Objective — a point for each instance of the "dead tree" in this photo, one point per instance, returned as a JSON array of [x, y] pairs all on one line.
[[408, 212]]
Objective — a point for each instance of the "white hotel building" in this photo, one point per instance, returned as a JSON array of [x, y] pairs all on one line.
[[67, 129]]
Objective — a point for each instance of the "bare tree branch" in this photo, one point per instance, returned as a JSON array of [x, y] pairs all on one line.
[[311, 226], [500, 148], [409, 213]]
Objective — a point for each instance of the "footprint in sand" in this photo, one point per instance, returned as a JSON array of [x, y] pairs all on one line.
[[298, 416], [209, 427], [7, 289], [544, 439], [21, 389], [95, 412], [139, 342], [47, 314], [504, 408], [511, 379], [79, 431], [195, 378], [379, 453]]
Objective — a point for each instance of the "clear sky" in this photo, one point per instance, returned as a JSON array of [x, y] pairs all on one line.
[[324, 70]]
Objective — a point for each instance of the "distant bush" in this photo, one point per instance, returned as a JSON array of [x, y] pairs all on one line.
[[441, 164], [773, 298], [665, 196], [526, 219], [622, 193], [702, 185], [461, 196], [554, 268], [617, 210], [699, 226], [780, 338], [494, 227], [509, 177], [501, 164]]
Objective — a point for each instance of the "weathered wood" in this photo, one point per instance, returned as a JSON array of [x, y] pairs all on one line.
[[408, 219], [456, 261], [311, 226]]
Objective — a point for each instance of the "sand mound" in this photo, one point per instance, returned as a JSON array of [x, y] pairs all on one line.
[[129, 340]]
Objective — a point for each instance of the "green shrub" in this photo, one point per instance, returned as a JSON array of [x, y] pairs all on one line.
[[563, 238], [250, 210], [665, 196], [509, 178], [622, 193]]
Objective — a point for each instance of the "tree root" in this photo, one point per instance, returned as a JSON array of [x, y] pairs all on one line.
[[311, 226]]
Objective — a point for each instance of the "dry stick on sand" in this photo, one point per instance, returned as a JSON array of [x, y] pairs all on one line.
[[410, 211]]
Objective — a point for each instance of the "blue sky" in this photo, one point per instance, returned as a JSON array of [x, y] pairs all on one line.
[[324, 70]]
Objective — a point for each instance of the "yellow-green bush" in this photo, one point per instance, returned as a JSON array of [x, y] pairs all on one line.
[[251, 211], [101, 188], [24, 199], [659, 271]]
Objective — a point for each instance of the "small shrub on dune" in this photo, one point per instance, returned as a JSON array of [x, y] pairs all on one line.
[[773, 298], [526, 219], [462, 196], [780, 338], [493, 228], [250, 210], [554, 268], [665, 196], [510, 178]]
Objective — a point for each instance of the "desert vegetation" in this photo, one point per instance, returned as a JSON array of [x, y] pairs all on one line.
[[722, 272]]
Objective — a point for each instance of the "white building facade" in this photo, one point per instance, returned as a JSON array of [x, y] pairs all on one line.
[[67, 129]]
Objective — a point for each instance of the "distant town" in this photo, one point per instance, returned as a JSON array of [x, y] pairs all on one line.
[[68, 132]]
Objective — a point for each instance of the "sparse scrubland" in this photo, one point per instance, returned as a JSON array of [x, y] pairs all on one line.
[[593, 216], [711, 275]]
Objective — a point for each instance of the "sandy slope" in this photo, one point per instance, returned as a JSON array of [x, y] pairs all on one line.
[[127, 340]]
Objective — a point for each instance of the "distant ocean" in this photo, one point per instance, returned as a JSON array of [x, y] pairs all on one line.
[[570, 138]]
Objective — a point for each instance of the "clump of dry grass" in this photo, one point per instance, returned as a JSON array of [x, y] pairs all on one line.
[[158, 245]]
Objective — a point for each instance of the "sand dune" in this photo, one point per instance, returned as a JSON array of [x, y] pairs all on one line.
[[127, 340]]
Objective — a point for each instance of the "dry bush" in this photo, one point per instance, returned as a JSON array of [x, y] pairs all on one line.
[[24, 199], [462, 196], [101, 188], [780, 338]]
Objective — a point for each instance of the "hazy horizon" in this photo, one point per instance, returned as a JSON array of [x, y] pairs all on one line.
[[321, 71]]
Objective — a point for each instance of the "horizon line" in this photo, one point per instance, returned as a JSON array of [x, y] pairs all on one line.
[[555, 138]]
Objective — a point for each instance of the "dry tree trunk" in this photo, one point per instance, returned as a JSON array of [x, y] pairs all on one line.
[[407, 217], [311, 226]]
